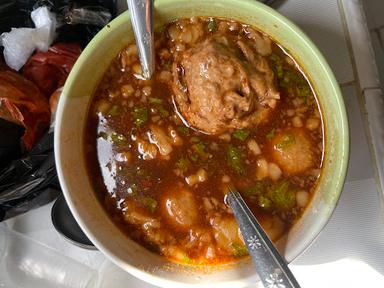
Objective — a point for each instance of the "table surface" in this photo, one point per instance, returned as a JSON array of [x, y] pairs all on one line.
[[350, 250]]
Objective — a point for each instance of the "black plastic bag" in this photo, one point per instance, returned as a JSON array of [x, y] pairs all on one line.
[[15, 14], [81, 19], [29, 182], [10, 147]]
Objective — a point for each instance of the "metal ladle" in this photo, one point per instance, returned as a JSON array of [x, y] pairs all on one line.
[[142, 24], [270, 266]]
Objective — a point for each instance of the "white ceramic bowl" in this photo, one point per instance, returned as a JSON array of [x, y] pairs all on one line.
[[70, 129]]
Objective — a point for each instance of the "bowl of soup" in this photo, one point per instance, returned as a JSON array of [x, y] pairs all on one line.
[[240, 96]]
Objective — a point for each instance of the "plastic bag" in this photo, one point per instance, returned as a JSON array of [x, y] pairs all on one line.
[[10, 147], [29, 182], [20, 43], [15, 14], [22, 103], [82, 19], [49, 70]]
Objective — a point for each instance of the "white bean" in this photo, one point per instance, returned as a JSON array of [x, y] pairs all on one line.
[[201, 175], [274, 171], [254, 147], [127, 90], [225, 137], [261, 169], [312, 123], [147, 90], [297, 122], [225, 179], [302, 198]]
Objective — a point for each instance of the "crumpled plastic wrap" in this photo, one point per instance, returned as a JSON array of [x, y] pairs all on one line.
[[20, 43]]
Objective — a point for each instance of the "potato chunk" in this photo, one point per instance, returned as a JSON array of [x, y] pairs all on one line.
[[180, 208], [292, 151]]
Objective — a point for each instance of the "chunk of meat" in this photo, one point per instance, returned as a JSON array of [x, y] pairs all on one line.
[[158, 137], [147, 150], [292, 150], [226, 232], [136, 215], [221, 85], [180, 208]]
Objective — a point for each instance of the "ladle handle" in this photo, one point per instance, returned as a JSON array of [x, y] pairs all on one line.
[[142, 23], [270, 266]]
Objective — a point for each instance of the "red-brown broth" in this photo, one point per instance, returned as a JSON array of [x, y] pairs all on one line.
[[135, 191]]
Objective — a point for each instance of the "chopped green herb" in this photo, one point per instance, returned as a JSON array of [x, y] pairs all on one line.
[[103, 135], [287, 141], [235, 159], [239, 250], [183, 164], [293, 76], [163, 112], [142, 172], [132, 189], [183, 130], [194, 157], [113, 111], [304, 91], [256, 189], [271, 134], [278, 65], [212, 25], [150, 203], [199, 149], [241, 134], [282, 197], [118, 139], [264, 202], [195, 139], [160, 29], [167, 65], [153, 100], [187, 260], [140, 115]]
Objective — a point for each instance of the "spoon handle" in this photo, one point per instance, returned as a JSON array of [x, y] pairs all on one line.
[[270, 266], [142, 24]]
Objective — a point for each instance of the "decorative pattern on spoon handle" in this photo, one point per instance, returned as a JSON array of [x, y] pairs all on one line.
[[270, 266]]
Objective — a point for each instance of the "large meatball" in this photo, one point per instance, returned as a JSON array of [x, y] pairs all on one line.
[[221, 85]]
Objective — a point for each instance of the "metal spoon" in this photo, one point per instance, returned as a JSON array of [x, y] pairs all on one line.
[[142, 24], [270, 266]]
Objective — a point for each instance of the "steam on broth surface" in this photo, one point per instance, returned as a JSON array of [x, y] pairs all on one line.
[[226, 105]]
